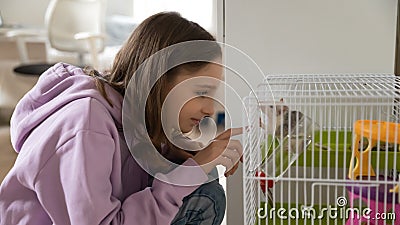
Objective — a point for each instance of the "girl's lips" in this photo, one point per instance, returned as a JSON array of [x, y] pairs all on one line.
[[195, 121]]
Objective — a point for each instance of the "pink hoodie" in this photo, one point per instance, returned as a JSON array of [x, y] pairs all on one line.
[[73, 165]]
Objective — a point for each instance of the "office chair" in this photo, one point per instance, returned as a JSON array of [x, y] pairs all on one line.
[[75, 26]]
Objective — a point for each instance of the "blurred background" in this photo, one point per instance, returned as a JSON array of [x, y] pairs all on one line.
[[281, 37]]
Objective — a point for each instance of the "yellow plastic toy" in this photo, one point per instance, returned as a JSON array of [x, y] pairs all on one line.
[[395, 189], [374, 131]]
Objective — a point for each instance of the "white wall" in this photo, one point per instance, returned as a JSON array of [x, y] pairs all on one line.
[[307, 36], [31, 12], [312, 36], [121, 7]]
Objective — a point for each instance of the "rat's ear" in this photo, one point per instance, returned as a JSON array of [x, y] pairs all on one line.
[[281, 100]]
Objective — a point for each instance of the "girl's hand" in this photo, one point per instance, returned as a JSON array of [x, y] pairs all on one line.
[[177, 156], [221, 151]]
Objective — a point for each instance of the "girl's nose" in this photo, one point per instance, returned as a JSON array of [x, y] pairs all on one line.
[[208, 107]]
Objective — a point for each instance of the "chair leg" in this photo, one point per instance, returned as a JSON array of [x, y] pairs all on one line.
[[22, 50], [93, 53], [81, 62]]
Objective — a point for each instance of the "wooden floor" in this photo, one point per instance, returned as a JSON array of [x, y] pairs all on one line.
[[12, 88], [7, 154]]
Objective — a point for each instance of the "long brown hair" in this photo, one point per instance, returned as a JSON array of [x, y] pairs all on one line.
[[153, 34]]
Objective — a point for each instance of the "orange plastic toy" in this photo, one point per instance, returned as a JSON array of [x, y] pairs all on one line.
[[374, 131]]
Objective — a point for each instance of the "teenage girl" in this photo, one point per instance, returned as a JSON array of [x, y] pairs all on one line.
[[74, 164]]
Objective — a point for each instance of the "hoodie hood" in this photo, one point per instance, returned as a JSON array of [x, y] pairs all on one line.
[[58, 86]]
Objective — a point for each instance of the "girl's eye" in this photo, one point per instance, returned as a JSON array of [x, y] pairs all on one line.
[[201, 93]]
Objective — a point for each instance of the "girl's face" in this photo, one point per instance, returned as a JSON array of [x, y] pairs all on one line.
[[190, 96]]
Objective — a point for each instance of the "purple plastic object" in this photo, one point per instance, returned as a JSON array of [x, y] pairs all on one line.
[[373, 192]]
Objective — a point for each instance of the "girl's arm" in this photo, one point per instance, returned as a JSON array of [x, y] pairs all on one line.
[[75, 186]]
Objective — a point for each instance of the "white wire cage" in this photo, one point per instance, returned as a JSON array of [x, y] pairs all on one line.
[[322, 149]]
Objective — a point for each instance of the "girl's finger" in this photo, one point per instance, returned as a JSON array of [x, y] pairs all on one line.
[[232, 154], [229, 133], [232, 171], [226, 162], [236, 145]]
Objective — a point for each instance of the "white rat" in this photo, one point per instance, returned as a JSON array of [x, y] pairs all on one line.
[[280, 119]]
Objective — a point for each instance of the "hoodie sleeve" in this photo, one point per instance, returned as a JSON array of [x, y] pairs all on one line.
[[75, 187]]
